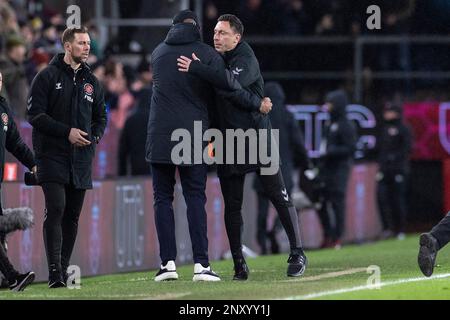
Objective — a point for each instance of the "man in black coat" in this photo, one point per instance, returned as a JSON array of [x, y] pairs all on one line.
[[67, 111], [180, 104], [10, 140], [394, 147], [132, 141], [244, 66], [337, 149]]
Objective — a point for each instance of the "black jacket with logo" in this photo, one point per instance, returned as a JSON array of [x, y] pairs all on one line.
[[11, 140], [61, 99]]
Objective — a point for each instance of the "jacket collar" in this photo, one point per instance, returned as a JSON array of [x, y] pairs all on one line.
[[58, 61]]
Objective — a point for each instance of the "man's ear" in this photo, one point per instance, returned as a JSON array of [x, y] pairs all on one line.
[[238, 37], [67, 46]]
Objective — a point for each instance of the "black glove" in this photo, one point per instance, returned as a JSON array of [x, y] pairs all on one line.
[[30, 179]]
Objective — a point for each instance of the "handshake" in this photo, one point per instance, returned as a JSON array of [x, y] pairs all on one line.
[[266, 105]]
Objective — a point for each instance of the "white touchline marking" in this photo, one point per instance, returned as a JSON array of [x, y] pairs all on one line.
[[365, 287], [327, 275]]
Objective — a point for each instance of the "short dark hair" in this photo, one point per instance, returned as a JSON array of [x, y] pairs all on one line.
[[69, 34], [234, 21]]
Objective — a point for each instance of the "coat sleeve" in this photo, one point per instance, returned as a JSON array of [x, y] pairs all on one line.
[[348, 145], [99, 117], [225, 83], [37, 109], [16, 146]]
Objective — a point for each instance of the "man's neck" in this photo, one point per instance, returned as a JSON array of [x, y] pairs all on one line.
[[68, 59]]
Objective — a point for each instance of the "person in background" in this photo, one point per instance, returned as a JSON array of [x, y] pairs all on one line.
[[394, 147]]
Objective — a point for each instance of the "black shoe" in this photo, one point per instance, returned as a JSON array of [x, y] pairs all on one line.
[[427, 253], [240, 270], [21, 281], [55, 279], [296, 265]]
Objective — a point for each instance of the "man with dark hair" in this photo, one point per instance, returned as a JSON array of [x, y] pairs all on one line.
[[66, 108], [178, 101], [244, 66]]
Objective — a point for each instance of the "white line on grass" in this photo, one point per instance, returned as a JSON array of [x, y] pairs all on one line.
[[327, 275], [359, 288]]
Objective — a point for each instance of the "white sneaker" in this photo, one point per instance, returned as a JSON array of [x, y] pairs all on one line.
[[167, 272], [204, 274], [401, 236]]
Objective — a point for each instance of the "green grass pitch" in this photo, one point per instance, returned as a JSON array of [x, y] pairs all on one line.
[[331, 274]]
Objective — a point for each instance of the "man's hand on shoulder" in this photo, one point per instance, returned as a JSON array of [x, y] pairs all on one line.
[[184, 62]]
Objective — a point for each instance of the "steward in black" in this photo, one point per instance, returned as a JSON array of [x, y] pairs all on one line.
[[61, 99], [337, 149], [394, 147]]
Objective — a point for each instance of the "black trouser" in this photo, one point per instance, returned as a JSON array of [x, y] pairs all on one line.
[[233, 193], [193, 182], [442, 231], [332, 212], [5, 266], [263, 212], [63, 207], [392, 202]]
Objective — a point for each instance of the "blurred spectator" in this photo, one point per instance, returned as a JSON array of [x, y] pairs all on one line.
[[294, 19], [49, 41], [38, 60], [15, 85], [132, 141], [8, 22], [394, 147], [252, 15], [118, 98]]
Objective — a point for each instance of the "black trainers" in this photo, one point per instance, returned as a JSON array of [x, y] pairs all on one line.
[[21, 281], [427, 253], [240, 270], [55, 279], [296, 265]]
